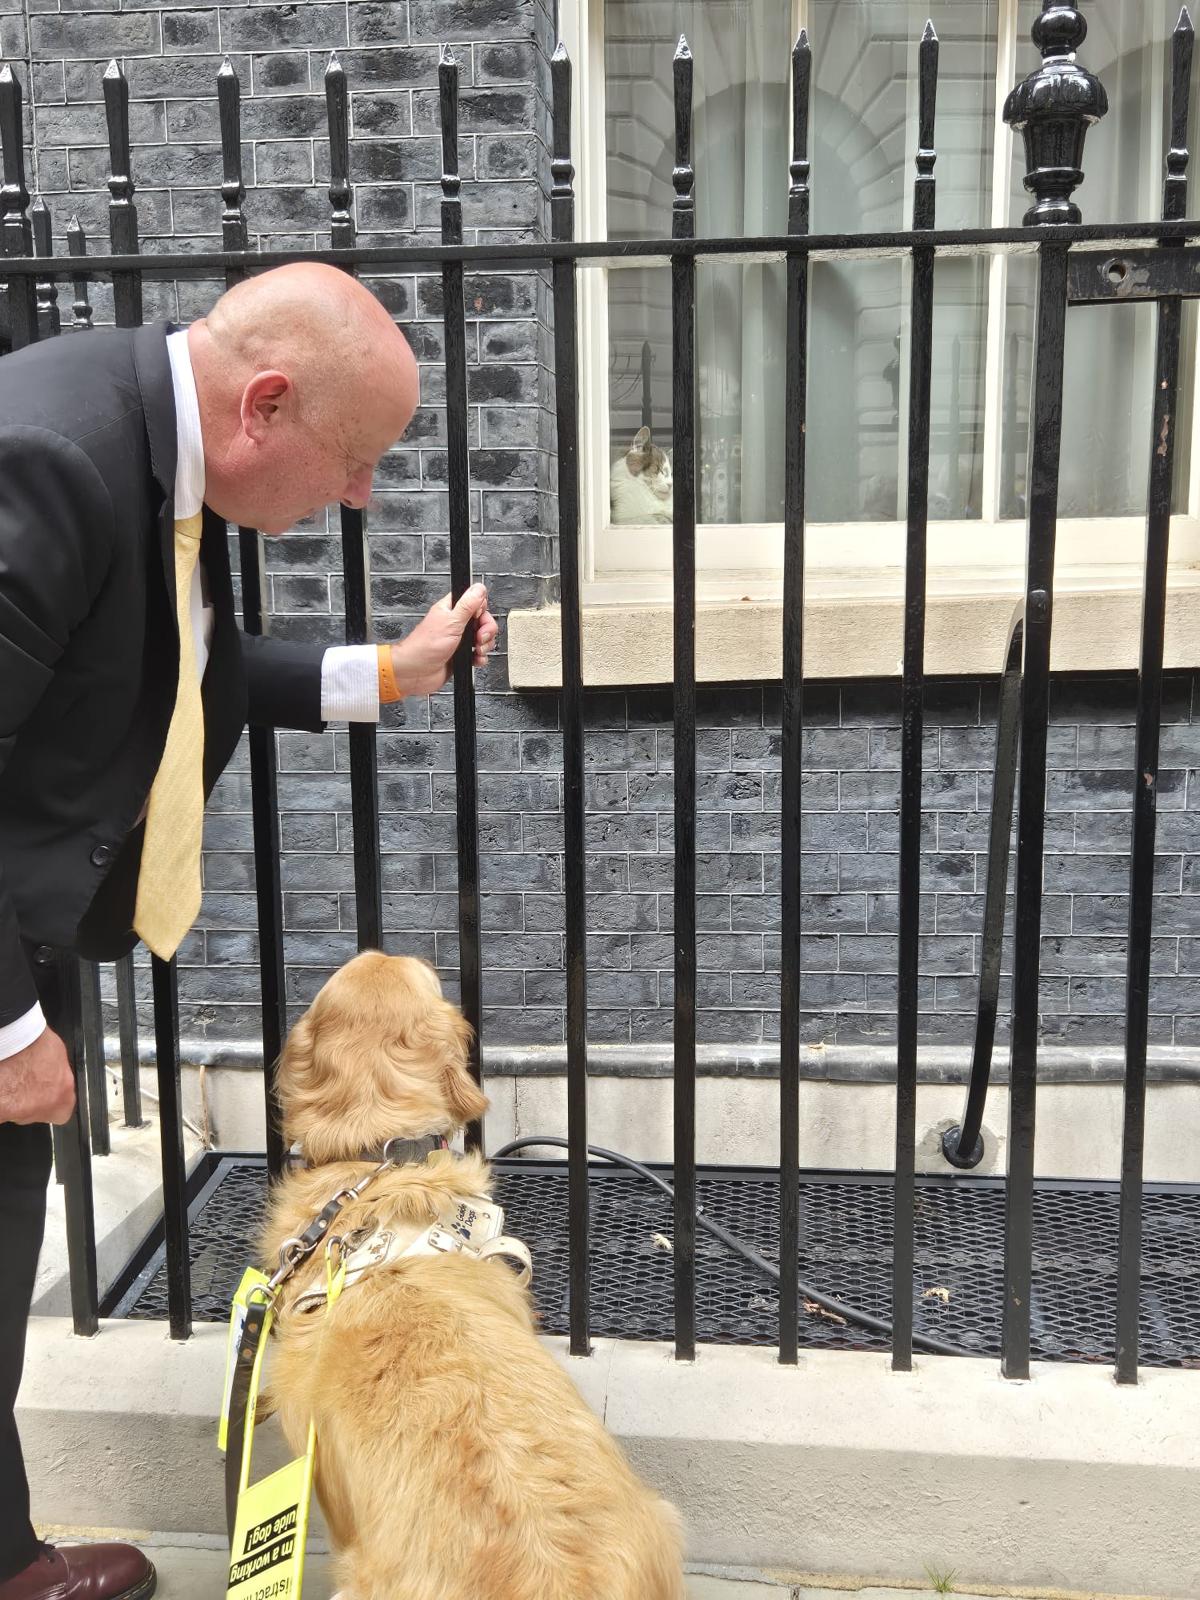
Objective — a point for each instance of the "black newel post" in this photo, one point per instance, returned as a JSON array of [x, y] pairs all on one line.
[[1052, 110]]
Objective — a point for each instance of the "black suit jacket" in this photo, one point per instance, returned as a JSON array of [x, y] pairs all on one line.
[[89, 647]]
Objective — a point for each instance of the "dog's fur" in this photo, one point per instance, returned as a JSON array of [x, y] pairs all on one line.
[[455, 1458]]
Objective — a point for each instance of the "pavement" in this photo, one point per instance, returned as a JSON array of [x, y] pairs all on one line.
[[193, 1567]]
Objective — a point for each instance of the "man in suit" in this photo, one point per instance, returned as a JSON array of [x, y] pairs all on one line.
[[125, 683]]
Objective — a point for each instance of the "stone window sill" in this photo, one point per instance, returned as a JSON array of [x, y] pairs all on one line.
[[853, 629]]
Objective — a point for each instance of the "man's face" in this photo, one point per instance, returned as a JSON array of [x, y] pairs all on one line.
[[308, 467], [312, 441]]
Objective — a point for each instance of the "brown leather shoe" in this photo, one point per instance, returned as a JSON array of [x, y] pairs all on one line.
[[83, 1572]]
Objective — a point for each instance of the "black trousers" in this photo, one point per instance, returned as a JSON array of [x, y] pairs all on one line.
[[24, 1172], [25, 1159]]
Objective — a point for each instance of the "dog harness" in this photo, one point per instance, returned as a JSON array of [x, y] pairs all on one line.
[[467, 1225]]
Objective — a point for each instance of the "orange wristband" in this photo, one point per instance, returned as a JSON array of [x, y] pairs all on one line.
[[388, 691]]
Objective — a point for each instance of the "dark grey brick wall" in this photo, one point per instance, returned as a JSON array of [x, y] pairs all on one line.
[[171, 53], [851, 798]]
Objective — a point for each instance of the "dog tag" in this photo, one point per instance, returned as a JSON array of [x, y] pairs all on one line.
[[251, 1279], [474, 1220]]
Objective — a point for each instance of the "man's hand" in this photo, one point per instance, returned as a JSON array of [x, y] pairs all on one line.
[[37, 1085], [423, 661]]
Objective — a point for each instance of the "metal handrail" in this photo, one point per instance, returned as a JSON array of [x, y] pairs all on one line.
[[963, 1145]]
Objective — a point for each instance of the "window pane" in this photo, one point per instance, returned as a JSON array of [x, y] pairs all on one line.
[[863, 144], [1109, 371], [865, 111], [741, 131]]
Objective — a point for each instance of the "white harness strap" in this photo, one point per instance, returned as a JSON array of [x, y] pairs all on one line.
[[470, 1226]]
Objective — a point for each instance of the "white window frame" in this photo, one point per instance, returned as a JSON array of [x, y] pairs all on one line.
[[623, 564]]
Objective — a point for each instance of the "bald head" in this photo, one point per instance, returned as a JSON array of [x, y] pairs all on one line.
[[304, 381]]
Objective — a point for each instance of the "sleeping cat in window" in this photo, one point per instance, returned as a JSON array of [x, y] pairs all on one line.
[[641, 484]]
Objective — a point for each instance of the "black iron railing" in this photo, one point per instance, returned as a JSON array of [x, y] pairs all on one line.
[[1053, 110], [963, 1145]]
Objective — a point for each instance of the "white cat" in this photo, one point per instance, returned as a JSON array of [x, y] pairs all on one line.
[[640, 483]]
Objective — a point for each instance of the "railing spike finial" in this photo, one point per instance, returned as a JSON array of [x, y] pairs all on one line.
[[122, 213], [1052, 110], [562, 168], [926, 158], [14, 195], [683, 175], [15, 232], [448, 118], [1183, 40], [337, 110], [799, 168], [233, 189], [49, 319], [116, 108], [77, 246]]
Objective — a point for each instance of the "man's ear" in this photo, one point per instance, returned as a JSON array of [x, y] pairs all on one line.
[[261, 400]]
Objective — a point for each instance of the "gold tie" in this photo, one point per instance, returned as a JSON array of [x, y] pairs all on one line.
[[168, 892]]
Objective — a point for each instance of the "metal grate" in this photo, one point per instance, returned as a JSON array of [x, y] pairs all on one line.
[[846, 1251]]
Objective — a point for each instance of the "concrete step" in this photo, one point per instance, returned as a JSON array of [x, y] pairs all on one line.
[[1067, 1483], [127, 1196], [193, 1567]]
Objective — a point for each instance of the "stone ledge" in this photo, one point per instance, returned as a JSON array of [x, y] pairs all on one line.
[[819, 1063], [847, 1106], [1068, 1481], [848, 636]]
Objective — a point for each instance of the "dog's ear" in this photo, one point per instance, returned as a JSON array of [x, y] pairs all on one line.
[[296, 1057], [463, 1095], [294, 1076]]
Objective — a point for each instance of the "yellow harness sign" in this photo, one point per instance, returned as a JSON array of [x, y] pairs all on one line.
[[266, 1560], [271, 1532]]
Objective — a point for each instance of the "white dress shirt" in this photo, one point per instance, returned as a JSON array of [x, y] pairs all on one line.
[[349, 672]]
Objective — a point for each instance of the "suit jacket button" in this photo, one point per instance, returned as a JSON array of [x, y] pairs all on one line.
[[101, 855], [43, 955]]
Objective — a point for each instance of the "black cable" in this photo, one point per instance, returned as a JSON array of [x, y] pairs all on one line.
[[839, 1308]]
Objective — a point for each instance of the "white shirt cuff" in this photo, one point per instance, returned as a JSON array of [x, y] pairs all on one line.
[[15, 1036], [350, 683]]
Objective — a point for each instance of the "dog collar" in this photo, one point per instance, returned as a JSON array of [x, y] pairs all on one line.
[[404, 1152], [399, 1152]]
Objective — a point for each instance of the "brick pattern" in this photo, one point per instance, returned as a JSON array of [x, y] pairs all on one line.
[[849, 867], [390, 50]]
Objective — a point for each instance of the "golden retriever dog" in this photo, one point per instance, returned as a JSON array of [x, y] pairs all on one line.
[[455, 1458]]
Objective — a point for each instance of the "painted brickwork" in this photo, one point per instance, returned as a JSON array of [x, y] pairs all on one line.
[[851, 796]]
